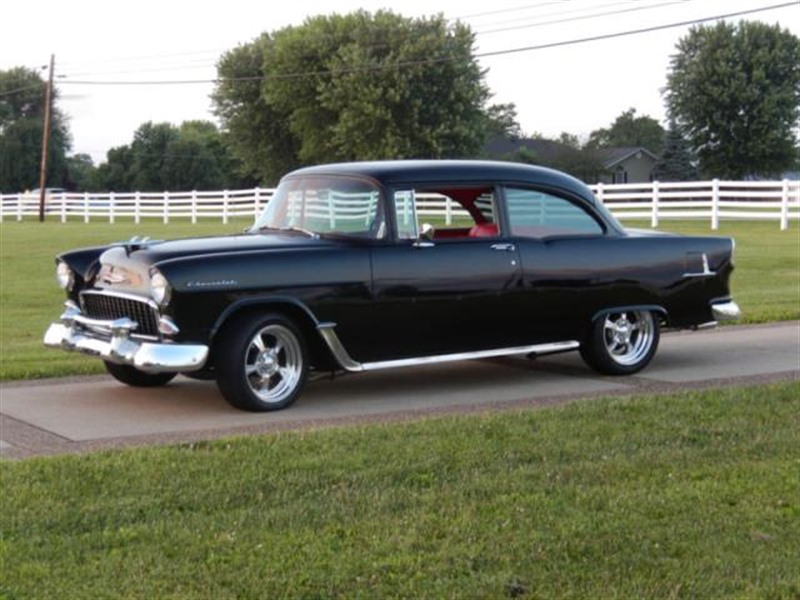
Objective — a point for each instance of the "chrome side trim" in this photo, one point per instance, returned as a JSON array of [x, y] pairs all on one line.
[[340, 353], [726, 311], [337, 349], [706, 272]]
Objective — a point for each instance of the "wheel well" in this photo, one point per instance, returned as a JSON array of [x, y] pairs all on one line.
[[660, 311], [319, 354]]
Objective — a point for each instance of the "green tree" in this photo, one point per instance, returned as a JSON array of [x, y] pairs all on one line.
[[353, 87], [579, 160], [629, 130], [116, 174], [734, 91], [198, 159], [676, 162], [22, 103], [165, 157], [80, 172]]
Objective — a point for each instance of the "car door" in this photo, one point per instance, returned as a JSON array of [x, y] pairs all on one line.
[[441, 296], [566, 261]]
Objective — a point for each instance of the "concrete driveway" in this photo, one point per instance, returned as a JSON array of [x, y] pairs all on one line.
[[91, 413]]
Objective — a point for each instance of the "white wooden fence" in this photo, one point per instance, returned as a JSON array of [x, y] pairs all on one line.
[[712, 201]]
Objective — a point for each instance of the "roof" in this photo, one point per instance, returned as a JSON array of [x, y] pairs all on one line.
[[611, 157], [398, 172]]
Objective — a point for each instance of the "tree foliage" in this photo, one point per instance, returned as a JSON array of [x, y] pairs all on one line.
[[22, 104], [355, 87], [630, 130], [165, 157], [677, 162], [734, 91]]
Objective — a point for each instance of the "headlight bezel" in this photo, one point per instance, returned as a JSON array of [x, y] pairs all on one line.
[[65, 276], [160, 288]]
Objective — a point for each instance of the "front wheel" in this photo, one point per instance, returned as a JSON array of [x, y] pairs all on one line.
[[621, 343], [262, 362], [136, 378]]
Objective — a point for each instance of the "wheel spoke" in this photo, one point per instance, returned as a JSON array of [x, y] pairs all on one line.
[[258, 342], [250, 369]]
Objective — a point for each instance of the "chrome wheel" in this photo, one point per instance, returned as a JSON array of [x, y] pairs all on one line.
[[628, 336], [621, 342], [261, 361], [273, 363]]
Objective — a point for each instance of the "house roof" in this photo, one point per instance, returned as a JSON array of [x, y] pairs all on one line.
[[613, 156]]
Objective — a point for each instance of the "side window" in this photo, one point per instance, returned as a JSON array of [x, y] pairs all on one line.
[[538, 214], [405, 214], [446, 212]]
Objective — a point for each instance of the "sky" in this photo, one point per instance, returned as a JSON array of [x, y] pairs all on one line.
[[567, 87]]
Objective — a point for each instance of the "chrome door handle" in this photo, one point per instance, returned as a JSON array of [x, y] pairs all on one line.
[[504, 247]]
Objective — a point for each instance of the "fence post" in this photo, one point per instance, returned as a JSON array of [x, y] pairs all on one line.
[[225, 207], [654, 216], [165, 211], [715, 204], [19, 207], [448, 212], [194, 207], [600, 192], [785, 205], [256, 210], [137, 207], [85, 207], [111, 207], [63, 207]]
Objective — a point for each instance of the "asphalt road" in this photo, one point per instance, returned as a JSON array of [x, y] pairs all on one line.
[[90, 413]]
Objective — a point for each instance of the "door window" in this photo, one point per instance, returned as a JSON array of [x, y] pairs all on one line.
[[538, 214]]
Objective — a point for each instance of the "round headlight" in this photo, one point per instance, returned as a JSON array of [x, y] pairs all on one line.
[[64, 276], [159, 288]]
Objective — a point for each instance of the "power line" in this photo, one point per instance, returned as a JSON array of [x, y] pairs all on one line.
[[402, 64], [581, 17]]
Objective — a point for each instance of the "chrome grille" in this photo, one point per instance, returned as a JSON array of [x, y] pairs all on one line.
[[102, 305]]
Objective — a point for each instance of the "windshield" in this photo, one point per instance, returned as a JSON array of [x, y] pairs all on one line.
[[325, 205]]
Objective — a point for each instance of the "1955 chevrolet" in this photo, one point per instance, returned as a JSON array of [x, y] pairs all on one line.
[[338, 274]]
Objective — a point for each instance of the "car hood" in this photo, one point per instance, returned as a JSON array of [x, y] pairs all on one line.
[[125, 267]]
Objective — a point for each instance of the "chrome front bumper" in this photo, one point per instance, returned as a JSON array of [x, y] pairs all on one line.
[[726, 311], [112, 341]]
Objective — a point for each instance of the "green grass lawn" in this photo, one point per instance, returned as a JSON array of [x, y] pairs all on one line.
[[693, 495], [766, 282]]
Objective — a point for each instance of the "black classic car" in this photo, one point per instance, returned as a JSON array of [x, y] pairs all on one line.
[[338, 274]]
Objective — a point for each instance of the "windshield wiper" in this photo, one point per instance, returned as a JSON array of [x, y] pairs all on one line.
[[291, 229], [294, 229]]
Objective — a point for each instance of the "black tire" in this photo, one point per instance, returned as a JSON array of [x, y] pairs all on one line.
[[136, 378], [621, 343], [261, 362]]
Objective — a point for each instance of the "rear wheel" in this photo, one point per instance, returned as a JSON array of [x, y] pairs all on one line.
[[621, 343], [136, 378], [261, 362]]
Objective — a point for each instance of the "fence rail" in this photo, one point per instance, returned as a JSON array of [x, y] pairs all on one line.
[[713, 201]]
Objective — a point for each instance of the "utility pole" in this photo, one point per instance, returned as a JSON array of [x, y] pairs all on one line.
[[48, 104]]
